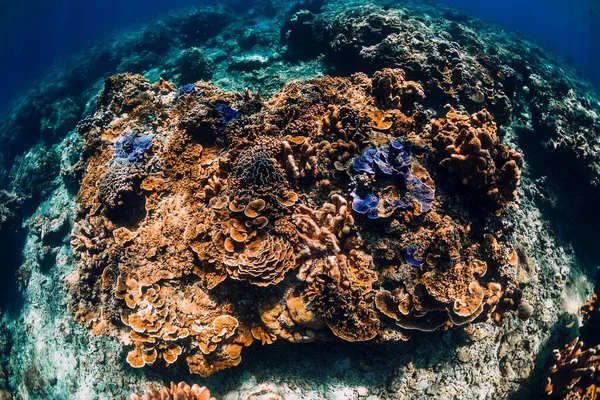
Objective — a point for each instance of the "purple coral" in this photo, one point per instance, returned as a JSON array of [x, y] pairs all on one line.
[[188, 89], [391, 161], [410, 257], [228, 113], [131, 148], [367, 205]]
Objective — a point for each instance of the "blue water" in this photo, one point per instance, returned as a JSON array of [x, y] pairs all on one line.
[[571, 28], [37, 33]]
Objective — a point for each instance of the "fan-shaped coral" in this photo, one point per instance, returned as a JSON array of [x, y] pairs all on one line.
[[308, 216]]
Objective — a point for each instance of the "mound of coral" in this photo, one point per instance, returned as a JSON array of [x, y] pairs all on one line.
[[337, 208]]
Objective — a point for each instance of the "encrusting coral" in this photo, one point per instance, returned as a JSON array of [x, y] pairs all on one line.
[[209, 220]]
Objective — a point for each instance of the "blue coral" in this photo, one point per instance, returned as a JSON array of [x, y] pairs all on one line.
[[367, 205], [228, 113], [188, 89], [392, 161], [410, 257], [132, 148]]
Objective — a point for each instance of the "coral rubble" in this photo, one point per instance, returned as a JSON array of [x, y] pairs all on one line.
[[211, 220]]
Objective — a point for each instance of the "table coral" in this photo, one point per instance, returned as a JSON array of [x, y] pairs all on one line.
[[243, 219]]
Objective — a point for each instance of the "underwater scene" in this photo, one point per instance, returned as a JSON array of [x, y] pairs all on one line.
[[300, 200]]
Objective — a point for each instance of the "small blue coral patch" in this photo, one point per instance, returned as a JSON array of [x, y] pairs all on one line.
[[188, 89], [367, 205], [131, 147], [410, 257], [392, 161], [228, 113]]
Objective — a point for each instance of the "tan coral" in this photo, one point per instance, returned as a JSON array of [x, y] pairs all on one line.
[[262, 261], [180, 391], [191, 254], [254, 208], [469, 147]]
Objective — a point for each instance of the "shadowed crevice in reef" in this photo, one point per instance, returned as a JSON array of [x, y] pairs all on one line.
[[566, 197], [533, 387], [12, 241], [340, 363], [10, 294]]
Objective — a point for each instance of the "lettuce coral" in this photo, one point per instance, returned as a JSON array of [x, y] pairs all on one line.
[[131, 147], [392, 161], [245, 222]]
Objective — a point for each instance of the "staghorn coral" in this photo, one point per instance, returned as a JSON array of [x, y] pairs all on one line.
[[574, 374], [241, 224], [180, 391]]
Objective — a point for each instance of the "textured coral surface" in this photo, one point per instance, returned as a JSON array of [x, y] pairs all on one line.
[[209, 220]]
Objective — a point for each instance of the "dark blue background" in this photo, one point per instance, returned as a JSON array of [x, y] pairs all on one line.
[[570, 28], [37, 33]]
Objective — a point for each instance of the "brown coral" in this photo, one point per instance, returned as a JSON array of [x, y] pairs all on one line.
[[574, 374], [469, 148], [230, 233], [181, 391]]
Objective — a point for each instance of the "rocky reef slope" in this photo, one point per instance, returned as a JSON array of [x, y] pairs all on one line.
[[410, 226]]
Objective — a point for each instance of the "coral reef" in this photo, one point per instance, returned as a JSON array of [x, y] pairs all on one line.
[[193, 241], [368, 208]]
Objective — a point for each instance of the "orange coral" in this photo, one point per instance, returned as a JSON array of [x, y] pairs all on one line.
[[469, 147], [230, 232], [181, 391], [574, 374]]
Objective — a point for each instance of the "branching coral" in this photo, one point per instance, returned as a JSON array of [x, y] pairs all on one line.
[[245, 221], [575, 373], [181, 391]]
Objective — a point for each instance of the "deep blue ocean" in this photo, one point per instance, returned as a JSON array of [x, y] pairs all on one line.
[[38, 33]]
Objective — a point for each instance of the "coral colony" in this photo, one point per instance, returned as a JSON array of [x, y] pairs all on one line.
[[251, 226]]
